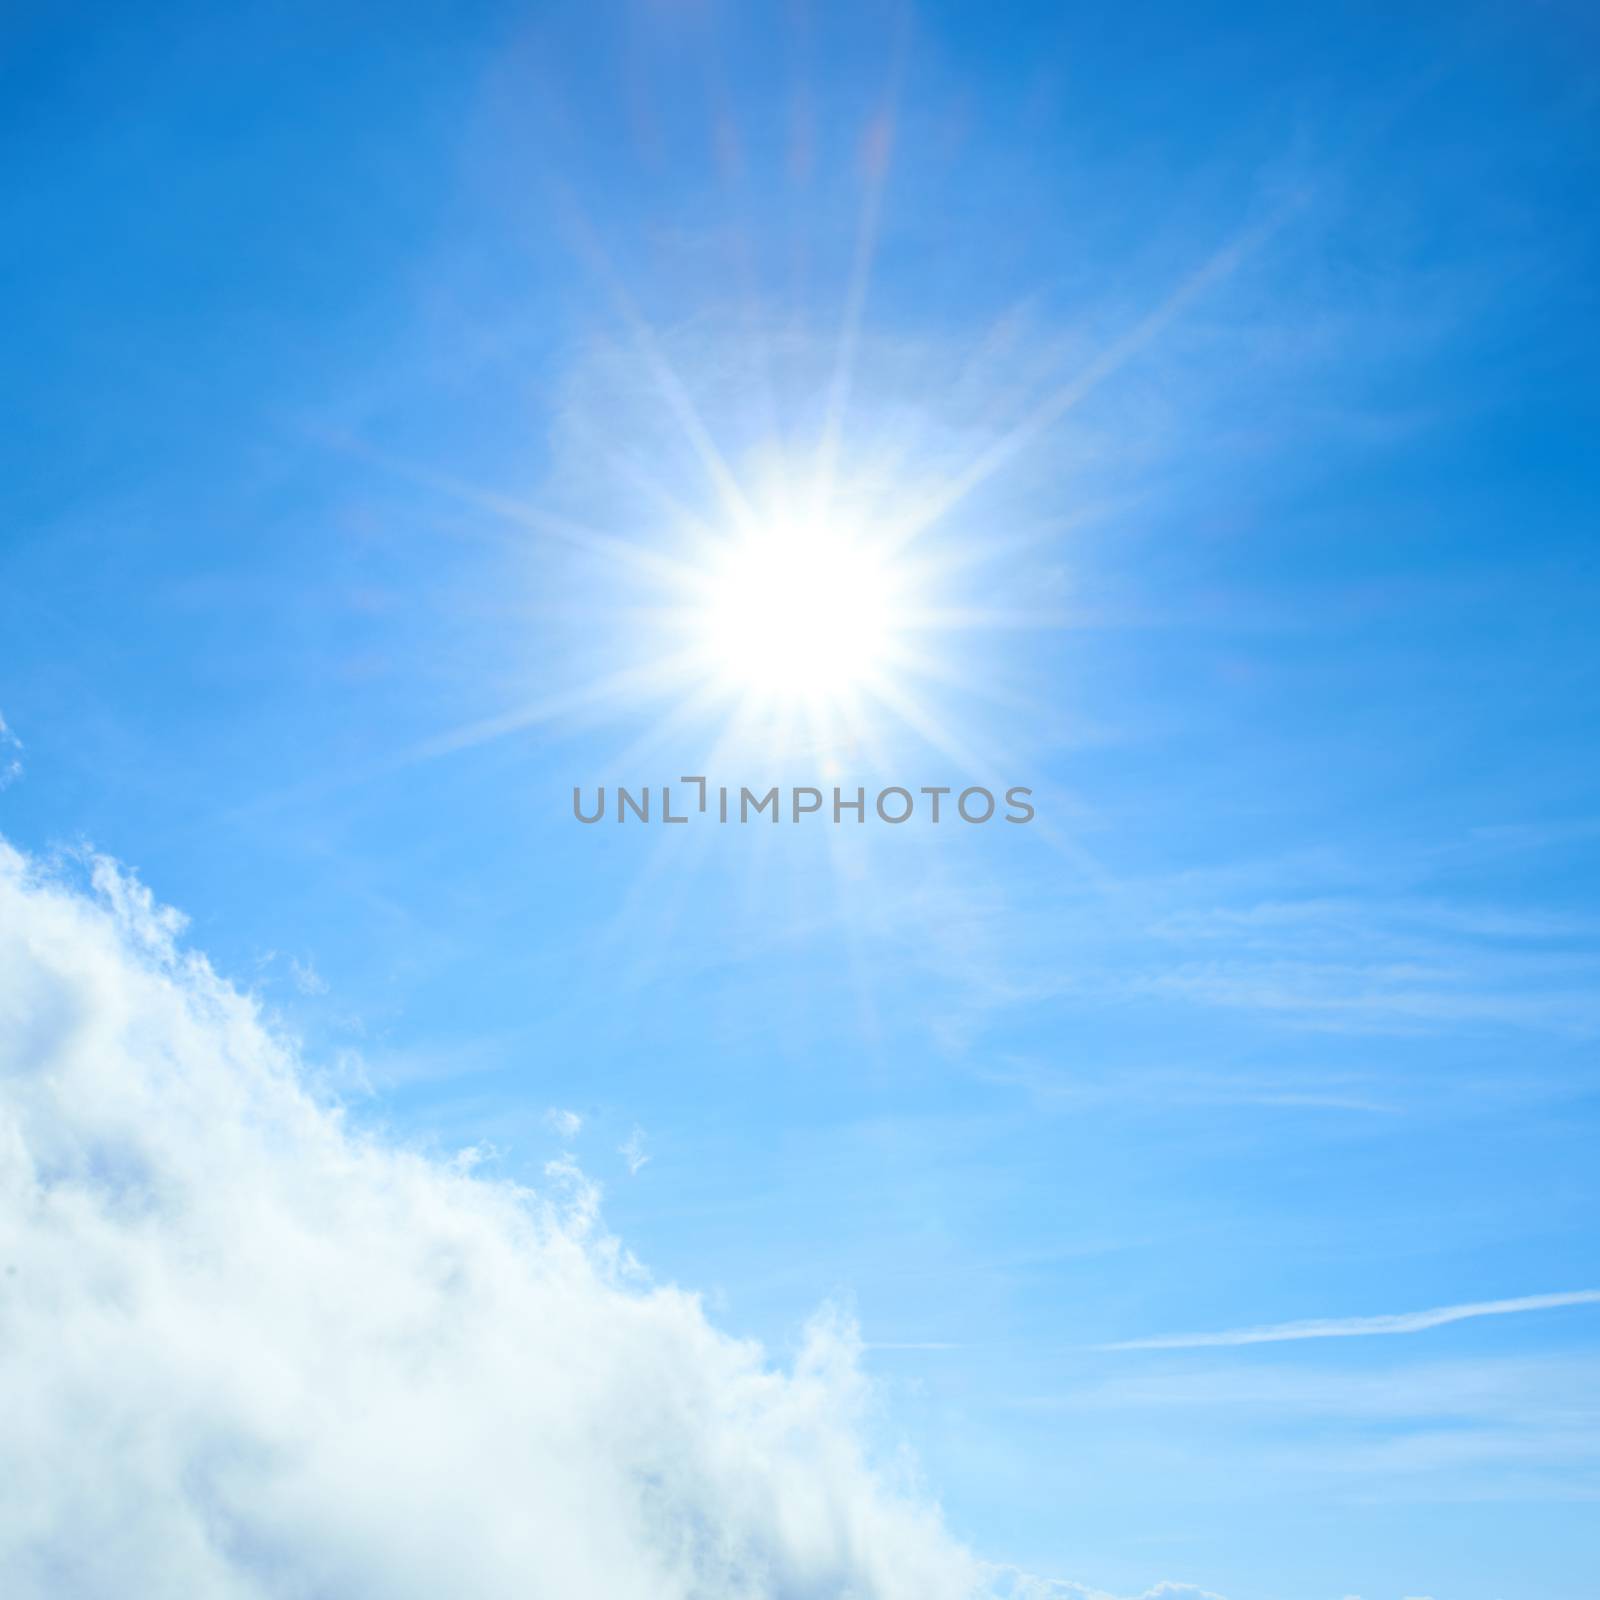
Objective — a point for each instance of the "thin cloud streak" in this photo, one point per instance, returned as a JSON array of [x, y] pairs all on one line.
[[1358, 1327]]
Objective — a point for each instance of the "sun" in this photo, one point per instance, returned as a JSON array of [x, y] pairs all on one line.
[[798, 612]]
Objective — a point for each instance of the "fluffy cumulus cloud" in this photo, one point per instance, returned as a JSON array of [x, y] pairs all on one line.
[[246, 1352]]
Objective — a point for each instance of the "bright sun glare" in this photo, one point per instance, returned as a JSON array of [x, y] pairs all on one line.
[[798, 613]]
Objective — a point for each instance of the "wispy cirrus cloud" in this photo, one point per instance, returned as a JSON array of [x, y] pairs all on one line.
[[1487, 1428], [567, 1124], [1379, 963], [10, 755], [634, 1153], [1359, 1327]]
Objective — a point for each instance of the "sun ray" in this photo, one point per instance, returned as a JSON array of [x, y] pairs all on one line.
[[1062, 400], [982, 765], [506, 508], [855, 306], [898, 699], [877, 155], [623, 688], [671, 387]]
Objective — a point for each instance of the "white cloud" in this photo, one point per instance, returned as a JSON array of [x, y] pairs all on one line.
[[247, 1353], [566, 1123], [1383, 964], [10, 755], [633, 1152], [306, 977], [1016, 1585], [1356, 1327]]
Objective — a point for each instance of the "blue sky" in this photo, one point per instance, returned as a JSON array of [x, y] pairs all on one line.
[[1274, 332]]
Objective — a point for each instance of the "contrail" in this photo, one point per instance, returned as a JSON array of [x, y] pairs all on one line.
[[1357, 1327]]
